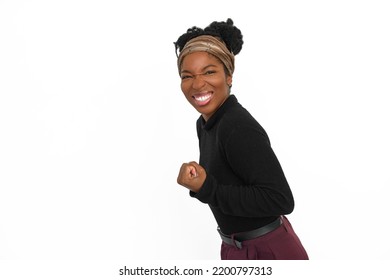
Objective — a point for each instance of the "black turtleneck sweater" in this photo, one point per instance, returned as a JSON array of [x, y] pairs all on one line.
[[245, 185]]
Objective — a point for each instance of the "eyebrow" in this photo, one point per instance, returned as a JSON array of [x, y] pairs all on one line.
[[204, 68]]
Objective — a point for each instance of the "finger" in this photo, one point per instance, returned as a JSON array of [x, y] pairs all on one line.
[[193, 171], [199, 169], [187, 172]]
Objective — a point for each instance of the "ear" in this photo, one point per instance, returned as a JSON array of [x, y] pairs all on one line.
[[229, 80]]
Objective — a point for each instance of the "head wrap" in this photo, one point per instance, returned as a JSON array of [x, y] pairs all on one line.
[[210, 44]]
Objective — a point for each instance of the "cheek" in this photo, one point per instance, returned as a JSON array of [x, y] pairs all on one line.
[[222, 85], [184, 87]]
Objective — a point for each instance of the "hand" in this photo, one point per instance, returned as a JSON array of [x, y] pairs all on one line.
[[191, 176]]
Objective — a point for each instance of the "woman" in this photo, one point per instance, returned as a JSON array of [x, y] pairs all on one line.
[[238, 174]]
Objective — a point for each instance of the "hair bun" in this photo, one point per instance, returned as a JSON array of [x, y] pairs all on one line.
[[229, 33], [183, 39]]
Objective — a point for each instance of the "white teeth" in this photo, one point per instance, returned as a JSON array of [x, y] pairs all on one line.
[[202, 98]]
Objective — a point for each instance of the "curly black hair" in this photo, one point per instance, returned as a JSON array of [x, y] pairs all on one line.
[[226, 31]]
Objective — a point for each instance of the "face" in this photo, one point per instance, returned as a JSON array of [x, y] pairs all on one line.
[[204, 82]]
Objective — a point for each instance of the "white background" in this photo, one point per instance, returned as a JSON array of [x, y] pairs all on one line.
[[94, 127]]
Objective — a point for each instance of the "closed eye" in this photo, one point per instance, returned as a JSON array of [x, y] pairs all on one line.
[[209, 72], [184, 77]]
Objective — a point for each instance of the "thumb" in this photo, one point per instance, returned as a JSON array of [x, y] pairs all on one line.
[[197, 168], [193, 171]]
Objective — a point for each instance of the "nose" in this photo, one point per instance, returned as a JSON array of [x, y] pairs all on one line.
[[198, 82]]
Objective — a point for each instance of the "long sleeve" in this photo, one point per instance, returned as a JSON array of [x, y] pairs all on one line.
[[263, 191], [245, 185]]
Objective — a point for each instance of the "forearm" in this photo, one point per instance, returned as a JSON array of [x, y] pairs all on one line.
[[247, 200]]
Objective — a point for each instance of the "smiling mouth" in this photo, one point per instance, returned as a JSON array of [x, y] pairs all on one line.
[[202, 99]]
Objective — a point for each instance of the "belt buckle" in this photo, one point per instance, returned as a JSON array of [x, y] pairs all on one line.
[[230, 239], [236, 243]]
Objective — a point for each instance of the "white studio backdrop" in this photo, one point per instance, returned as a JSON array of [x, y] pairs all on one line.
[[94, 127]]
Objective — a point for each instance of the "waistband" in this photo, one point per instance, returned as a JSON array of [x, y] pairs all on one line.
[[235, 239]]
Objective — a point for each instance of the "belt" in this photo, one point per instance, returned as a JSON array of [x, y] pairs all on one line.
[[236, 239]]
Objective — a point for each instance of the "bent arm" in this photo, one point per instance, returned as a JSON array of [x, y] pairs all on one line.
[[264, 190]]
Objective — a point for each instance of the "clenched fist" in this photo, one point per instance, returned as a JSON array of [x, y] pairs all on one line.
[[192, 176]]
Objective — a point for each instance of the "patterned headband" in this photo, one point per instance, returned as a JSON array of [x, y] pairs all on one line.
[[210, 44]]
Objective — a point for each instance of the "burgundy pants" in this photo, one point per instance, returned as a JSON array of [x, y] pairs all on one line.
[[280, 244]]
